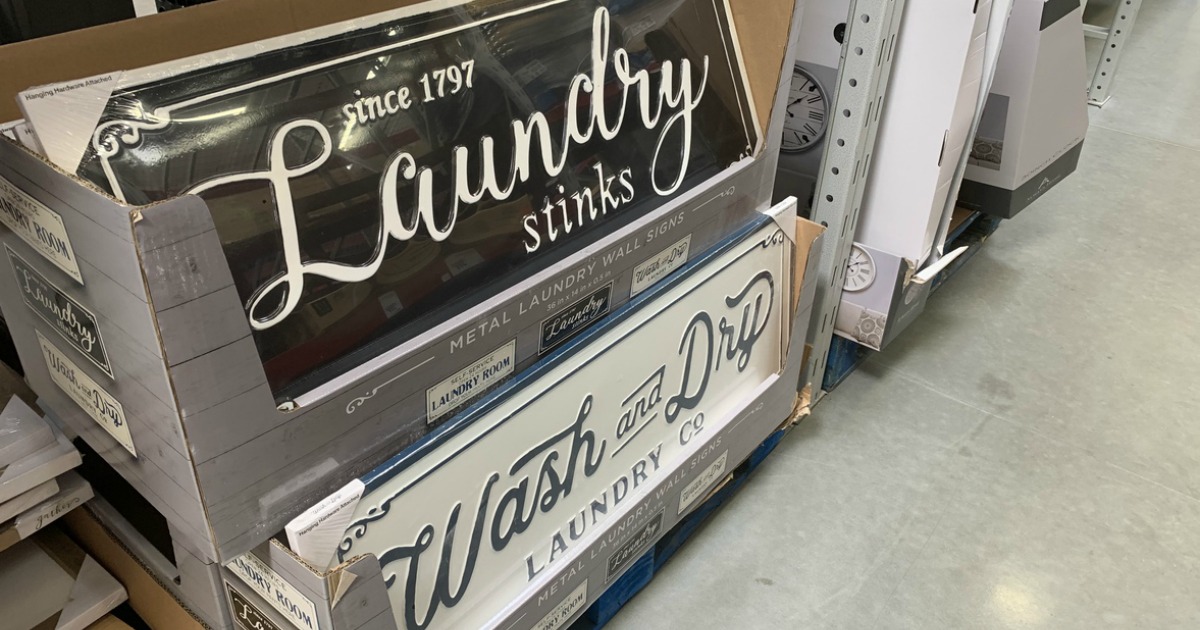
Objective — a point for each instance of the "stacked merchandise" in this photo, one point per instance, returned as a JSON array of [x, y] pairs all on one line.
[[37, 485], [46, 581], [49, 582], [945, 58], [983, 112], [345, 254], [1035, 117]]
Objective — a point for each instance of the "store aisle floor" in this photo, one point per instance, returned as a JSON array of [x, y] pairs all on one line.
[[1027, 455]]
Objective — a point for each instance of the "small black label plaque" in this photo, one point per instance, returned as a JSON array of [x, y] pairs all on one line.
[[75, 323], [247, 615]]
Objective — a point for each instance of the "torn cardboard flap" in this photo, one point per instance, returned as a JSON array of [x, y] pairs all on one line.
[[806, 234], [339, 585]]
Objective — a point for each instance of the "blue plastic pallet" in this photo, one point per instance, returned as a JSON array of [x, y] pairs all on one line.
[[644, 569], [845, 356]]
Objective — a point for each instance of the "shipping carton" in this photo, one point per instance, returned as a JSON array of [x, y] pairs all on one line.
[[558, 579], [900, 242], [131, 329], [1035, 119]]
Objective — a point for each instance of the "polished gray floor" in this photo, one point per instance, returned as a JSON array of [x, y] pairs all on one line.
[[1027, 455]]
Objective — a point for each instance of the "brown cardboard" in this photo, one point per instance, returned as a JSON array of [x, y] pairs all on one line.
[[109, 622], [148, 598], [11, 384], [224, 23]]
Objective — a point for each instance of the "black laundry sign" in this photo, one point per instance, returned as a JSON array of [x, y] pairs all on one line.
[[371, 184]]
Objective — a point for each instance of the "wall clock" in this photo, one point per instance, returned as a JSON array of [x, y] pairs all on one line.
[[807, 111], [860, 270]]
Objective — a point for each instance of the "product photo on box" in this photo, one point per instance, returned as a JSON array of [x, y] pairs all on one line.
[[1033, 125]]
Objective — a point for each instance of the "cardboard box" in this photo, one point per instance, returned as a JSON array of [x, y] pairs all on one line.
[[926, 119], [918, 166], [1035, 119], [186, 415], [182, 588], [277, 585], [148, 595], [49, 582]]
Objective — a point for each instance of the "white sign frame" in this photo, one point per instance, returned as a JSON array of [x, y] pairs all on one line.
[[680, 360]]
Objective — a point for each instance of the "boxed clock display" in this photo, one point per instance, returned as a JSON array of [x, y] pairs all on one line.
[[1035, 119], [818, 55], [907, 209], [528, 515], [924, 126], [310, 251]]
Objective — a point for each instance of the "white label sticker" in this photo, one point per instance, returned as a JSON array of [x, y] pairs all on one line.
[[660, 266], [565, 609], [39, 226], [281, 595], [471, 381], [87, 393], [696, 488]]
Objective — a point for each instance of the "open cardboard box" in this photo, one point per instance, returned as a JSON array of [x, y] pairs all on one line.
[[278, 585], [186, 417]]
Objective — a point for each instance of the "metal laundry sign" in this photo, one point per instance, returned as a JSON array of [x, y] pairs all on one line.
[[370, 183], [515, 487]]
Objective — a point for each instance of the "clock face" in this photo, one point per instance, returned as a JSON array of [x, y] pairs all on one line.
[[860, 270], [806, 113]]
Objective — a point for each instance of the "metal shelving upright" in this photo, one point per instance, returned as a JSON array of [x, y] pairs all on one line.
[[1120, 16], [866, 63]]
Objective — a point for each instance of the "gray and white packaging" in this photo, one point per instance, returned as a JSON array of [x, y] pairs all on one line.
[[22, 435], [27, 500], [38, 467], [1033, 125], [924, 127]]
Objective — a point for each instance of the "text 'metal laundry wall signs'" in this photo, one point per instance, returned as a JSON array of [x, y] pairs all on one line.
[[464, 522], [370, 184]]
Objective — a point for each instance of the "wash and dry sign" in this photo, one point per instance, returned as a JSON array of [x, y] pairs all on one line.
[[516, 486]]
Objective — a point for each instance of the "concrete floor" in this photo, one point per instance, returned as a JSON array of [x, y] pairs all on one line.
[[1027, 455]]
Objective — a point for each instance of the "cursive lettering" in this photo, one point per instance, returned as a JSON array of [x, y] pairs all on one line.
[[665, 102]]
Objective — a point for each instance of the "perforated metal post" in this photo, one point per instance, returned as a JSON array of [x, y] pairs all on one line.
[[866, 64], [1116, 36]]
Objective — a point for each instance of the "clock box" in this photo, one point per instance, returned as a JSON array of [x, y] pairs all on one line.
[[818, 52], [1035, 118], [633, 458], [907, 209], [924, 127], [150, 330]]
